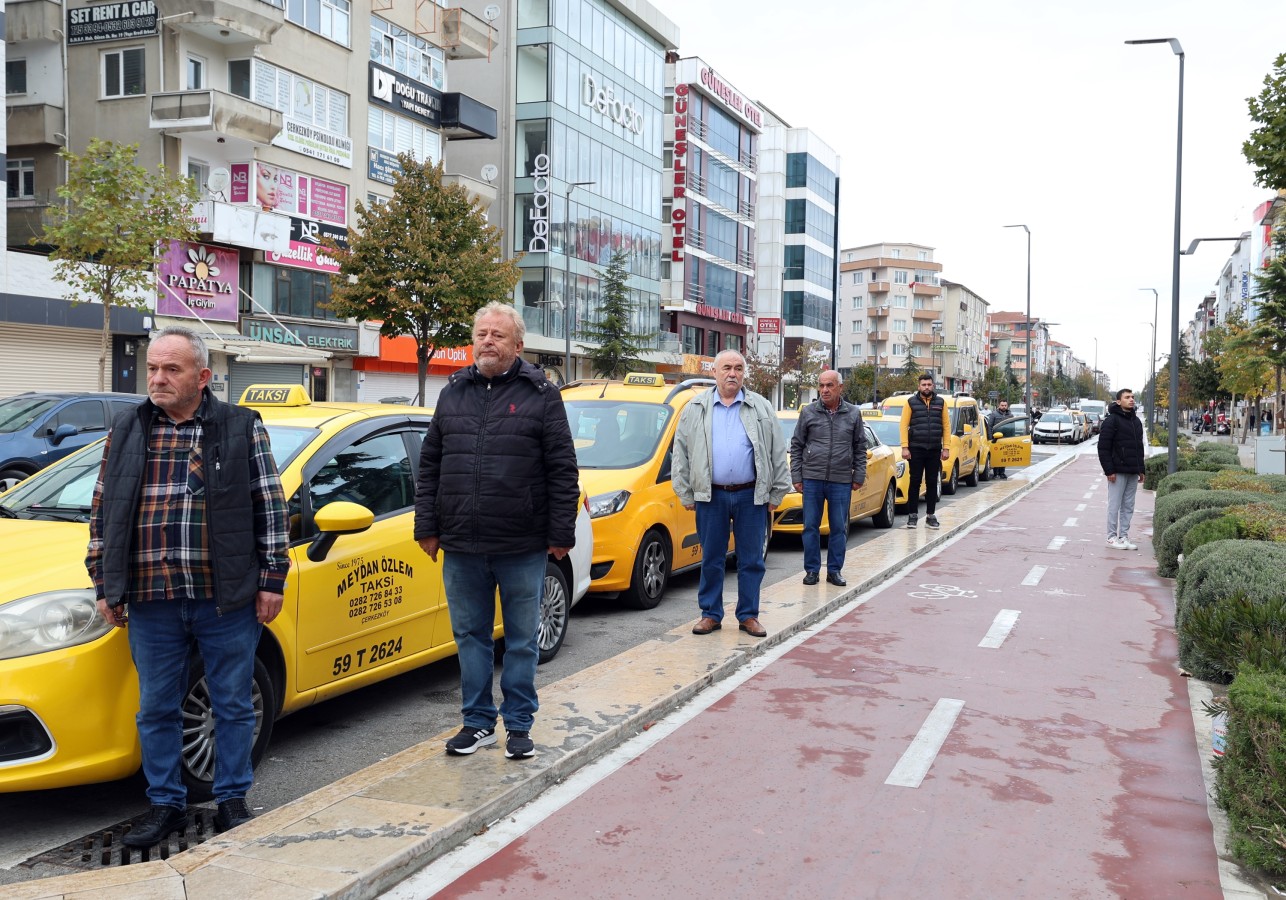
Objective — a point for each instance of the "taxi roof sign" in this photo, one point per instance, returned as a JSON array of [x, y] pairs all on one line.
[[275, 395], [648, 378]]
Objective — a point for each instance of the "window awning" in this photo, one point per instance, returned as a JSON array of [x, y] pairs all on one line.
[[244, 349]]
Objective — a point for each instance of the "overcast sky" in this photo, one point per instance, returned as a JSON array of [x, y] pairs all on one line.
[[954, 119]]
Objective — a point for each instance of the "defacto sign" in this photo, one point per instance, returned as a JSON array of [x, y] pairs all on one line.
[[730, 98], [603, 99], [539, 215], [679, 212]]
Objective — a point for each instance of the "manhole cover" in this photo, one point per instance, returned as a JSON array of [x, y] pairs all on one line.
[[103, 849]]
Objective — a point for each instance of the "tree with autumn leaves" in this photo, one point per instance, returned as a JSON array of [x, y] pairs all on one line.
[[422, 264]]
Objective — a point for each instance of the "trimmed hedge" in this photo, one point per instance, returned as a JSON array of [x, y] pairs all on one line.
[[1250, 779], [1155, 468], [1260, 521], [1174, 507], [1183, 481], [1171, 543], [1238, 632], [1223, 569], [1223, 528], [1230, 480]]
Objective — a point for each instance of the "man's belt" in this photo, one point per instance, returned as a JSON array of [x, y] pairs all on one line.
[[745, 486]]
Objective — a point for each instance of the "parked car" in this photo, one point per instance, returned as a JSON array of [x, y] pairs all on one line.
[[877, 498], [1056, 427], [1083, 425], [889, 432], [1011, 441], [968, 457], [41, 427], [363, 603]]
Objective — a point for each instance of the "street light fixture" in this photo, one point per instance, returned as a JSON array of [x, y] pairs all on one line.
[[569, 295], [1029, 372], [1152, 372], [1095, 368], [1192, 248], [1173, 463]]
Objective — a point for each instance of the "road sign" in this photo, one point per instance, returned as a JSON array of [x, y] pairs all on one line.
[[992, 395]]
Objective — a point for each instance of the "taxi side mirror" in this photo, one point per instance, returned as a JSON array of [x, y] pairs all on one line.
[[335, 519], [997, 436]]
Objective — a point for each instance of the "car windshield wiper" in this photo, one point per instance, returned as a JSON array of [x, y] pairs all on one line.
[[64, 513], [8, 513]]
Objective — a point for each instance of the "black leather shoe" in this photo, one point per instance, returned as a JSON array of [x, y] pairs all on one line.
[[810, 578], [836, 578], [231, 814], [156, 825]]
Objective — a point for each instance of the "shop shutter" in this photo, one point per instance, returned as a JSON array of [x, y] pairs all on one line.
[[242, 375], [378, 385], [44, 358]]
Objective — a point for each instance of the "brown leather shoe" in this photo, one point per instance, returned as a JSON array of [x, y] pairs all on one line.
[[706, 625], [753, 628]]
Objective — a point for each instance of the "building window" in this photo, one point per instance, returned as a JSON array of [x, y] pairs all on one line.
[[398, 134], [857, 325], [329, 18], [290, 94], [196, 73], [123, 73], [900, 276], [859, 302], [15, 76], [855, 350], [895, 253], [407, 53], [22, 178], [858, 277], [922, 255], [692, 337], [199, 172], [899, 301], [712, 343], [899, 325], [294, 292], [898, 350], [734, 342]]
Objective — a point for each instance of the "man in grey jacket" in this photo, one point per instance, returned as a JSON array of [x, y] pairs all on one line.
[[827, 463], [730, 466]]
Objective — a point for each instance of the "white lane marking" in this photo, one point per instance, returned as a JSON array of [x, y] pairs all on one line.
[[1080, 507], [1000, 628], [918, 758], [1035, 575], [1057, 543], [1088, 495], [1070, 523]]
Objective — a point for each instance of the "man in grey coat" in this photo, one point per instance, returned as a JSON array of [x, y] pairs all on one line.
[[827, 463]]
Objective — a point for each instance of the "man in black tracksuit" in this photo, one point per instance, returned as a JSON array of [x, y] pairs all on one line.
[[1121, 453], [925, 425]]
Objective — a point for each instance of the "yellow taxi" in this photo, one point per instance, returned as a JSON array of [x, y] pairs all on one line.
[[363, 602], [1010, 442], [877, 498], [624, 434], [889, 432], [969, 452]]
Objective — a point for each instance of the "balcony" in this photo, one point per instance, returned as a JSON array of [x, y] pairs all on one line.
[[35, 124], [34, 20], [877, 312], [224, 21], [877, 336], [925, 337], [465, 36], [926, 314], [878, 287], [927, 290], [214, 112]]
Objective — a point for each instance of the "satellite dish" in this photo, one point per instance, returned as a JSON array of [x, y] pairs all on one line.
[[491, 13], [489, 173], [217, 183]]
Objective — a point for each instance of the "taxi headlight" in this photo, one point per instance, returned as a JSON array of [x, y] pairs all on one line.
[[53, 620], [901, 468], [606, 504]]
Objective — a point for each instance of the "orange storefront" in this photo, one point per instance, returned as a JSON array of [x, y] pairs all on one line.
[[393, 374]]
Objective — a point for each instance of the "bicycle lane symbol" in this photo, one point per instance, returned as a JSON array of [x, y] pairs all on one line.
[[941, 592]]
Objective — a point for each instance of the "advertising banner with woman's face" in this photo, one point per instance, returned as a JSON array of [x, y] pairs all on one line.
[[288, 192]]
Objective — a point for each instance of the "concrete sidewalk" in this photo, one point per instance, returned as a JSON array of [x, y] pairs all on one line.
[[370, 830]]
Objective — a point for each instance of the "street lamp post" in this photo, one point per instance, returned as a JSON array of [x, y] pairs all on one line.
[[569, 295], [1029, 372], [1173, 465], [1152, 372], [1095, 368]]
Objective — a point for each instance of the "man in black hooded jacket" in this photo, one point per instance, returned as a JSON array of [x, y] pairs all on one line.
[[1121, 453]]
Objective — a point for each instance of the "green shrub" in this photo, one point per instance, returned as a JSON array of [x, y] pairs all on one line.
[[1183, 481], [1222, 569], [1237, 630], [1250, 779], [1220, 528], [1231, 480], [1171, 543], [1214, 447], [1180, 503], [1155, 469], [1259, 521]]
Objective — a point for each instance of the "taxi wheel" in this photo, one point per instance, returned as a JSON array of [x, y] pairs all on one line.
[[985, 474], [198, 727], [949, 487], [555, 607], [651, 573], [888, 509], [971, 480], [11, 477]]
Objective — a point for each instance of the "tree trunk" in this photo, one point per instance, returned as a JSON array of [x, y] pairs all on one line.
[[105, 346]]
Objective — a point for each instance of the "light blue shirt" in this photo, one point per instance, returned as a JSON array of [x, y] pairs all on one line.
[[733, 456]]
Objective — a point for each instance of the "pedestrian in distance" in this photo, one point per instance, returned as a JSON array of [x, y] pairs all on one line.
[[925, 425], [497, 494], [827, 463], [730, 467], [1121, 454], [999, 413], [189, 532]]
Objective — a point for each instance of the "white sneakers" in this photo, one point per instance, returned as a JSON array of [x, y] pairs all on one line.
[[1121, 544]]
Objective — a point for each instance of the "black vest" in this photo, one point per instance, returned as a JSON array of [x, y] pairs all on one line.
[[227, 443], [925, 430]]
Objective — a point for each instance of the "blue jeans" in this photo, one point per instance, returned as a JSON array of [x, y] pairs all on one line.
[[161, 633], [471, 580], [836, 495], [735, 513]]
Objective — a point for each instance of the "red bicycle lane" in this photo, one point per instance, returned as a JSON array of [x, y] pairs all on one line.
[[888, 754]]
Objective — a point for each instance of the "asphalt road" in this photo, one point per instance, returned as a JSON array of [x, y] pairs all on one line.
[[319, 745]]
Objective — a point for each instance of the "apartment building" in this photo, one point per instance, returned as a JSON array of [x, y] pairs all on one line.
[[890, 306], [964, 350]]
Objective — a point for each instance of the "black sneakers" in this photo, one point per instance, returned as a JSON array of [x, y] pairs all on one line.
[[932, 522], [518, 745], [912, 521], [470, 739]]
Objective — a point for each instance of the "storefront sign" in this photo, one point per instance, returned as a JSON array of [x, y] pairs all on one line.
[[731, 99], [308, 139], [288, 192], [603, 99], [305, 250], [694, 364], [679, 211], [111, 22], [198, 280], [723, 315], [769, 326], [539, 214], [318, 337], [405, 96], [382, 165]]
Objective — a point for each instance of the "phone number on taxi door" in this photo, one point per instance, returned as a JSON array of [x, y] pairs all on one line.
[[375, 601], [368, 656]]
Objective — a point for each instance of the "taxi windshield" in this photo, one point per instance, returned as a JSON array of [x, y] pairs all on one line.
[[887, 430], [612, 434]]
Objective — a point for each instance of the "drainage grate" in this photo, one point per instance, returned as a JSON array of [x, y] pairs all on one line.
[[103, 849]]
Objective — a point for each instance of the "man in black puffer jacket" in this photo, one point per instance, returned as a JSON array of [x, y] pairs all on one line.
[[497, 492], [1121, 453]]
